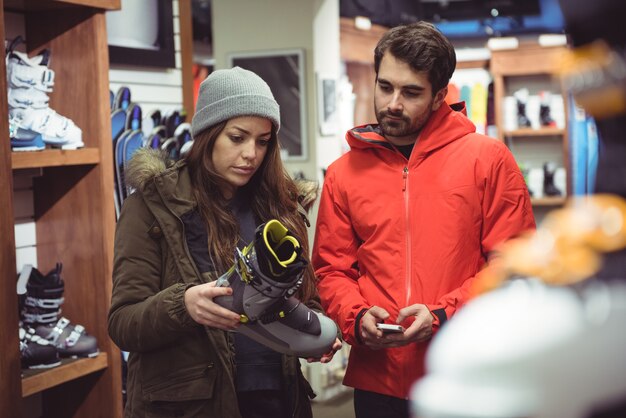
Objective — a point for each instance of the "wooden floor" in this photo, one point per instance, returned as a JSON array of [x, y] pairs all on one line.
[[339, 407]]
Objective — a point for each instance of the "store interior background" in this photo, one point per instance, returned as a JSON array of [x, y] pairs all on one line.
[[206, 33]]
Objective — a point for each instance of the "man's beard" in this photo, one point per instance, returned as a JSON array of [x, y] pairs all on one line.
[[395, 127]]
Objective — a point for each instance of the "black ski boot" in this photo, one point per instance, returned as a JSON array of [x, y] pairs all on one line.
[[521, 97], [545, 118], [549, 189], [42, 309], [265, 278]]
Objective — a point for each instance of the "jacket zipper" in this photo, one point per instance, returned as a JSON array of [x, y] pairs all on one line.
[[405, 192]]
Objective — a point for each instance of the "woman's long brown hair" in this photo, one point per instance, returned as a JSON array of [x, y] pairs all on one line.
[[273, 195]]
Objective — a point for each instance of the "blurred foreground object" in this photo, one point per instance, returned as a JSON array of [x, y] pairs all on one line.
[[543, 352], [543, 341], [596, 75], [568, 246]]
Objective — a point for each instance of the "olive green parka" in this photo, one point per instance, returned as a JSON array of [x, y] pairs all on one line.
[[176, 367]]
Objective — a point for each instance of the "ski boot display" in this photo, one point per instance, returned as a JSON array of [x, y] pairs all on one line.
[[264, 279], [41, 311]]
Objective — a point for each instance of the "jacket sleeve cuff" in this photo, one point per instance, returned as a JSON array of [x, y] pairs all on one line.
[[178, 310], [439, 316], [357, 325]]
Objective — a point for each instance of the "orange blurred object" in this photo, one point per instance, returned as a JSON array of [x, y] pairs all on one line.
[[453, 96], [565, 249]]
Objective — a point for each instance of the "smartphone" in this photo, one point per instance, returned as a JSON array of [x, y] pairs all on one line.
[[390, 328]]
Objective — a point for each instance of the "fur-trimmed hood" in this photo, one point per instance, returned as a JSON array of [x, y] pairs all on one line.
[[308, 190], [146, 164]]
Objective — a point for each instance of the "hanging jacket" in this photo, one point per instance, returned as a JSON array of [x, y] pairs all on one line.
[[176, 367], [393, 232]]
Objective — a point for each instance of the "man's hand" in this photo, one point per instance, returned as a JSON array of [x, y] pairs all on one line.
[[370, 335], [420, 330]]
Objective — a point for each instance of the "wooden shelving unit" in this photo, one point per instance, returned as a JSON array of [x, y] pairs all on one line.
[[74, 212], [530, 62]]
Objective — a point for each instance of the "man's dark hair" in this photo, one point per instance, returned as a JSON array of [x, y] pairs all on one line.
[[421, 46]]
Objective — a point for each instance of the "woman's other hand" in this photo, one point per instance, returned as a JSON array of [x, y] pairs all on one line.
[[326, 358]]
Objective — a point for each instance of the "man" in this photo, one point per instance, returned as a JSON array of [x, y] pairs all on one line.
[[408, 218]]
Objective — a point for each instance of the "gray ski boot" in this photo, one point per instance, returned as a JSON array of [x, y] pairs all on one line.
[[264, 279], [42, 308]]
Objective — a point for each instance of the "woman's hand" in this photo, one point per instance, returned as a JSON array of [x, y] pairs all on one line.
[[328, 356], [202, 309]]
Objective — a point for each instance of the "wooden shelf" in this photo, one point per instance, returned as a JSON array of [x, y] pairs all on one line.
[[358, 45], [54, 158], [35, 381], [472, 64], [548, 201], [535, 132], [526, 60], [43, 5]]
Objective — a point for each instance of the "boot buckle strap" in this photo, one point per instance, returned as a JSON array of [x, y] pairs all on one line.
[[58, 329], [38, 78], [44, 303], [47, 79], [76, 333], [40, 317], [243, 267]]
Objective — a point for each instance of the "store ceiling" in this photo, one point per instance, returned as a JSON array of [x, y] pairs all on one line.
[[394, 12], [391, 13]]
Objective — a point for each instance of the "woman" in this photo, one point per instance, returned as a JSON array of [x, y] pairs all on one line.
[[176, 234]]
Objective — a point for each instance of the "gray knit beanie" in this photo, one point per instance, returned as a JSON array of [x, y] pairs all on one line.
[[227, 94]]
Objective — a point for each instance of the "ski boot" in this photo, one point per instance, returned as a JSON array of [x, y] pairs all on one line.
[[549, 189], [36, 352], [264, 279], [521, 97], [545, 116], [29, 80], [41, 311]]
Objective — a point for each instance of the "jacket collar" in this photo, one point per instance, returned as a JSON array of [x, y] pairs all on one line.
[[445, 125]]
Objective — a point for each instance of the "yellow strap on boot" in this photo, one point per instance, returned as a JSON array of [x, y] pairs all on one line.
[[275, 236]]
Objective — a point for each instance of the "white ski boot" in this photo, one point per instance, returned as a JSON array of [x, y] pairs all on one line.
[[28, 81]]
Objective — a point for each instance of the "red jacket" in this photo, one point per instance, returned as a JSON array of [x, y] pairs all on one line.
[[392, 233]]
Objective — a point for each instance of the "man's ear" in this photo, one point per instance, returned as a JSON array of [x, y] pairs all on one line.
[[440, 97]]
